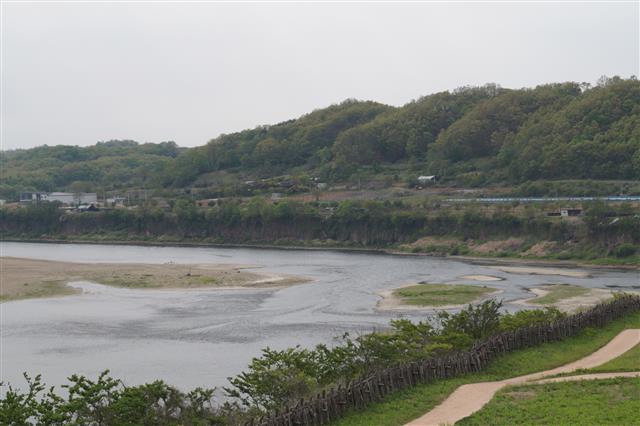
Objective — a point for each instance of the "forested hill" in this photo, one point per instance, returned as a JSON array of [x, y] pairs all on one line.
[[554, 131]]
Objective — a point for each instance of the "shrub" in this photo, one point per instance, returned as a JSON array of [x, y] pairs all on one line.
[[625, 250], [476, 322], [108, 401], [529, 317]]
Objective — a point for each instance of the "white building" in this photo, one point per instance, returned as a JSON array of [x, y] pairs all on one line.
[[426, 179], [32, 197], [116, 201]]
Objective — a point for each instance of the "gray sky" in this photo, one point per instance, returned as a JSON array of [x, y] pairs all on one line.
[[77, 73]]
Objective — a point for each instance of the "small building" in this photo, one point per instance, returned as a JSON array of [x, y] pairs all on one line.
[[3, 202], [566, 212], [570, 212], [116, 201], [32, 197], [276, 195], [427, 179]]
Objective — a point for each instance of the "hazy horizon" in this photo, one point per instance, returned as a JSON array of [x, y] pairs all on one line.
[[76, 74]]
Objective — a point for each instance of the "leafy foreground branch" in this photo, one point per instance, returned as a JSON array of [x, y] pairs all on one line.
[[108, 401], [278, 379]]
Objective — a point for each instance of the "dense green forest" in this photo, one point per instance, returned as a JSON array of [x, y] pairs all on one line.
[[482, 134]]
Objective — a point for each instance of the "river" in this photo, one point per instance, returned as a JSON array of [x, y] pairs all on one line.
[[195, 338]]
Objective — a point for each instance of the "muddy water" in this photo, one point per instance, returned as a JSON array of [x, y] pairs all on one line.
[[200, 337]]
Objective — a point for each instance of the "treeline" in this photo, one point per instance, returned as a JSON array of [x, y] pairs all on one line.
[[349, 223], [482, 135]]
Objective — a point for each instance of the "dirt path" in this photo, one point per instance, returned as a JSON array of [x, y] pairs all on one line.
[[468, 399]]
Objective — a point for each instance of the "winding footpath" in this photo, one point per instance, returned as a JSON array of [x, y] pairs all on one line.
[[468, 399]]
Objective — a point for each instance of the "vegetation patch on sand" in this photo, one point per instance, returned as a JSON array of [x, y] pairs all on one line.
[[510, 245], [566, 297], [595, 402], [28, 278], [432, 295], [554, 293]]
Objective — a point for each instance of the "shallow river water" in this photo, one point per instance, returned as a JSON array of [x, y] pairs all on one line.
[[200, 337]]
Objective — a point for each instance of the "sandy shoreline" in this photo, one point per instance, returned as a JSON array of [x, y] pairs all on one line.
[[27, 278], [478, 260], [531, 270], [483, 278]]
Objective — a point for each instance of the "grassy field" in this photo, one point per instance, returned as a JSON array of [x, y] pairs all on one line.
[[559, 292], [589, 402], [441, 294], [412, 403]]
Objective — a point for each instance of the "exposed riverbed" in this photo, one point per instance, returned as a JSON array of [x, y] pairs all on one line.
[[198, 337]]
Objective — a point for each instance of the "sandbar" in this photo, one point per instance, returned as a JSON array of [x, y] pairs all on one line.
[[28, 278]]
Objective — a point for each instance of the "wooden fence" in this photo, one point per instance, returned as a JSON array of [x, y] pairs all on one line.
[[332, 404]]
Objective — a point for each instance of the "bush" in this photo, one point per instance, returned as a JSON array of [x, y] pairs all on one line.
[[476, 322], [625, 250], [529, 317], [108, 401]]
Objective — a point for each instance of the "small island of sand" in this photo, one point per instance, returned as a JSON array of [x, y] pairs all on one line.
[[536, 270], [565, 297], [28, 278], [428, 296]]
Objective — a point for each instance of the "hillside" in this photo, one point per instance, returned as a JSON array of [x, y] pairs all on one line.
[[469, 136]]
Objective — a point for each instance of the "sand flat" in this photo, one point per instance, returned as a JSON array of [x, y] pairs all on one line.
[[476, 277], [537, 270], [569, 304], [27, 278]]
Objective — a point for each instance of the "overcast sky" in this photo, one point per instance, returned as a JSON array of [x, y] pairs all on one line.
[[77, 73]]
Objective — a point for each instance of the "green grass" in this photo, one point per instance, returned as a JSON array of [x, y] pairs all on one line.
[[441, 294], [592, 402], [410, 404], [559, 292]]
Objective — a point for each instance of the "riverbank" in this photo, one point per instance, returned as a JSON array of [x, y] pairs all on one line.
[[478, 260], [29, 278]]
